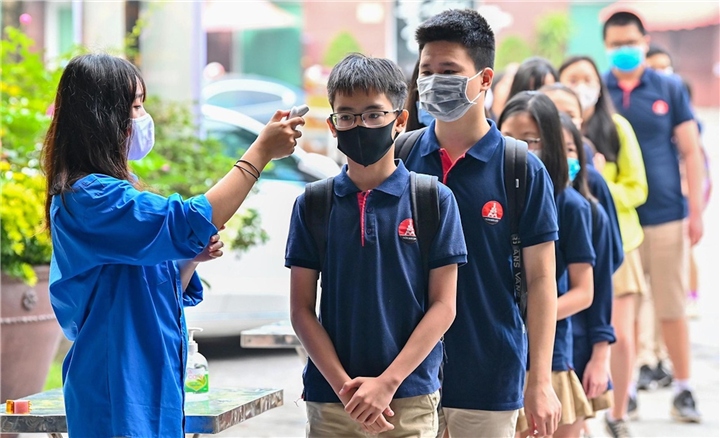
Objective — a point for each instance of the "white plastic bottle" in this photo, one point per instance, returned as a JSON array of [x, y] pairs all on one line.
[[197, 376]]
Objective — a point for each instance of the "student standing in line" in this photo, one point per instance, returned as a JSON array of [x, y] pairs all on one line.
[[487, 345], [568, 102], [658, 109], [376, 350], [592, 329], [621, 164], [532, 117], [123, 262]]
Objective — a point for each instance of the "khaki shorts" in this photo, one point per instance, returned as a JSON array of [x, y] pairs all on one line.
[[630, 278], [462, 423], [569, 390], [414, 417], [664, 259]]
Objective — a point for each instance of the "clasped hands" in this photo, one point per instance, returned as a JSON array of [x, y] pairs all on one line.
[[367, 401]]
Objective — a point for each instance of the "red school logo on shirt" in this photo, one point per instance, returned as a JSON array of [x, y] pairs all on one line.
[[406, 231], [660, 107], [492, 212]]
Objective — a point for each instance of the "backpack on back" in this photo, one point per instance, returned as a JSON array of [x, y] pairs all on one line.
[[515, 187], [424, 203]]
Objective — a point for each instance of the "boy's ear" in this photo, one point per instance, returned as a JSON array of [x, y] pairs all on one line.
[[401, 121], [332, 128], [486, 78]]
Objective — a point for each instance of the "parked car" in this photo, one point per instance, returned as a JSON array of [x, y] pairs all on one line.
[[255, 96], [251, 289]]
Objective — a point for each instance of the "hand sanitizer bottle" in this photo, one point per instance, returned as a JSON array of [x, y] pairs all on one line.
[[196, 373]]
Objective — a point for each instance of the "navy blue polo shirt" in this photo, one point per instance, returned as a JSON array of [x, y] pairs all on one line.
[[374, 288], [600, 190], [593, 325], [654, 107], [574, 245], [487, 345]]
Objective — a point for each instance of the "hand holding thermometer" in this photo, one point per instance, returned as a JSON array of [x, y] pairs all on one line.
[[298, 111]]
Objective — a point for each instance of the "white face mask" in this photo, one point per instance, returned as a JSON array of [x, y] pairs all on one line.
[[142, 138], [445, 96], [588, 94]]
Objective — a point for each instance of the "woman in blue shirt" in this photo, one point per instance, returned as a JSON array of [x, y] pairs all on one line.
[[592, 329], [123, 258], [532, 117]]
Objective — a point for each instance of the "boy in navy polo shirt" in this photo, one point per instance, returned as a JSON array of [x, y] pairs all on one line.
[[657, 107], [487, 344], [376, 348]]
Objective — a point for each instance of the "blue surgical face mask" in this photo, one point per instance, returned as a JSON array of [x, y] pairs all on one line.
[[573, 167], [626, 58], [424, 117]]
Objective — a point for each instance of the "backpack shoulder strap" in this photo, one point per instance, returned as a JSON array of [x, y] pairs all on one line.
[[406, 141], [515, 179], [318, 202], [515, 188], [425, 205]]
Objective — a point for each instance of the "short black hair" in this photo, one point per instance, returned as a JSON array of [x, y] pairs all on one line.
[[357, 72], [654, 49], [463, 26], [623, 18], [531, 75]]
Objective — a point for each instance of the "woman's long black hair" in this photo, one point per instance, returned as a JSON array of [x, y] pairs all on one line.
[[547, 118], [531, 75], [91, 122], [600, 127]]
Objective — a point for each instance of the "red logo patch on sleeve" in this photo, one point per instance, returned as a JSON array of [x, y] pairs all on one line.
[[660, 107], [406, 231], [492, 212]]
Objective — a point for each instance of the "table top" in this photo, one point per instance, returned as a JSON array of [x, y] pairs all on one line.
[[224, 408], [276, 335]]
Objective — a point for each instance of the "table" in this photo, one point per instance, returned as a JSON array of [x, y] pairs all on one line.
[[276, 335], [224, 408]]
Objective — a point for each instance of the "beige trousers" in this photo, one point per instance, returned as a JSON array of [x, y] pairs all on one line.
[[415, 417]]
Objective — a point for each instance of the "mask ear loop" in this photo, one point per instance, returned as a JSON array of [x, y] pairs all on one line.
[[466, 85]]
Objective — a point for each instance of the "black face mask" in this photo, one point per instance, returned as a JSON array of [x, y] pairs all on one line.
[[366, 146]]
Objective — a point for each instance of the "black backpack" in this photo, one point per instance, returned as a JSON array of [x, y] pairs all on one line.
[[515, 187], [423, 201]]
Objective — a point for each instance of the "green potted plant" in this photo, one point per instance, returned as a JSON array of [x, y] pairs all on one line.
[[30, 334]]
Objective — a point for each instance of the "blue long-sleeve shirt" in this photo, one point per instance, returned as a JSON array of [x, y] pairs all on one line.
[[600, 190], [593, 325], [116, 290]]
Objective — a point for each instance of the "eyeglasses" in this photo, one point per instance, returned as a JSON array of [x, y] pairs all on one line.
[[371, 119], [531, 141]]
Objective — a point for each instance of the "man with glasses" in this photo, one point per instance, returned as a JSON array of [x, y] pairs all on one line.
[[375, 350], [658, 109]]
